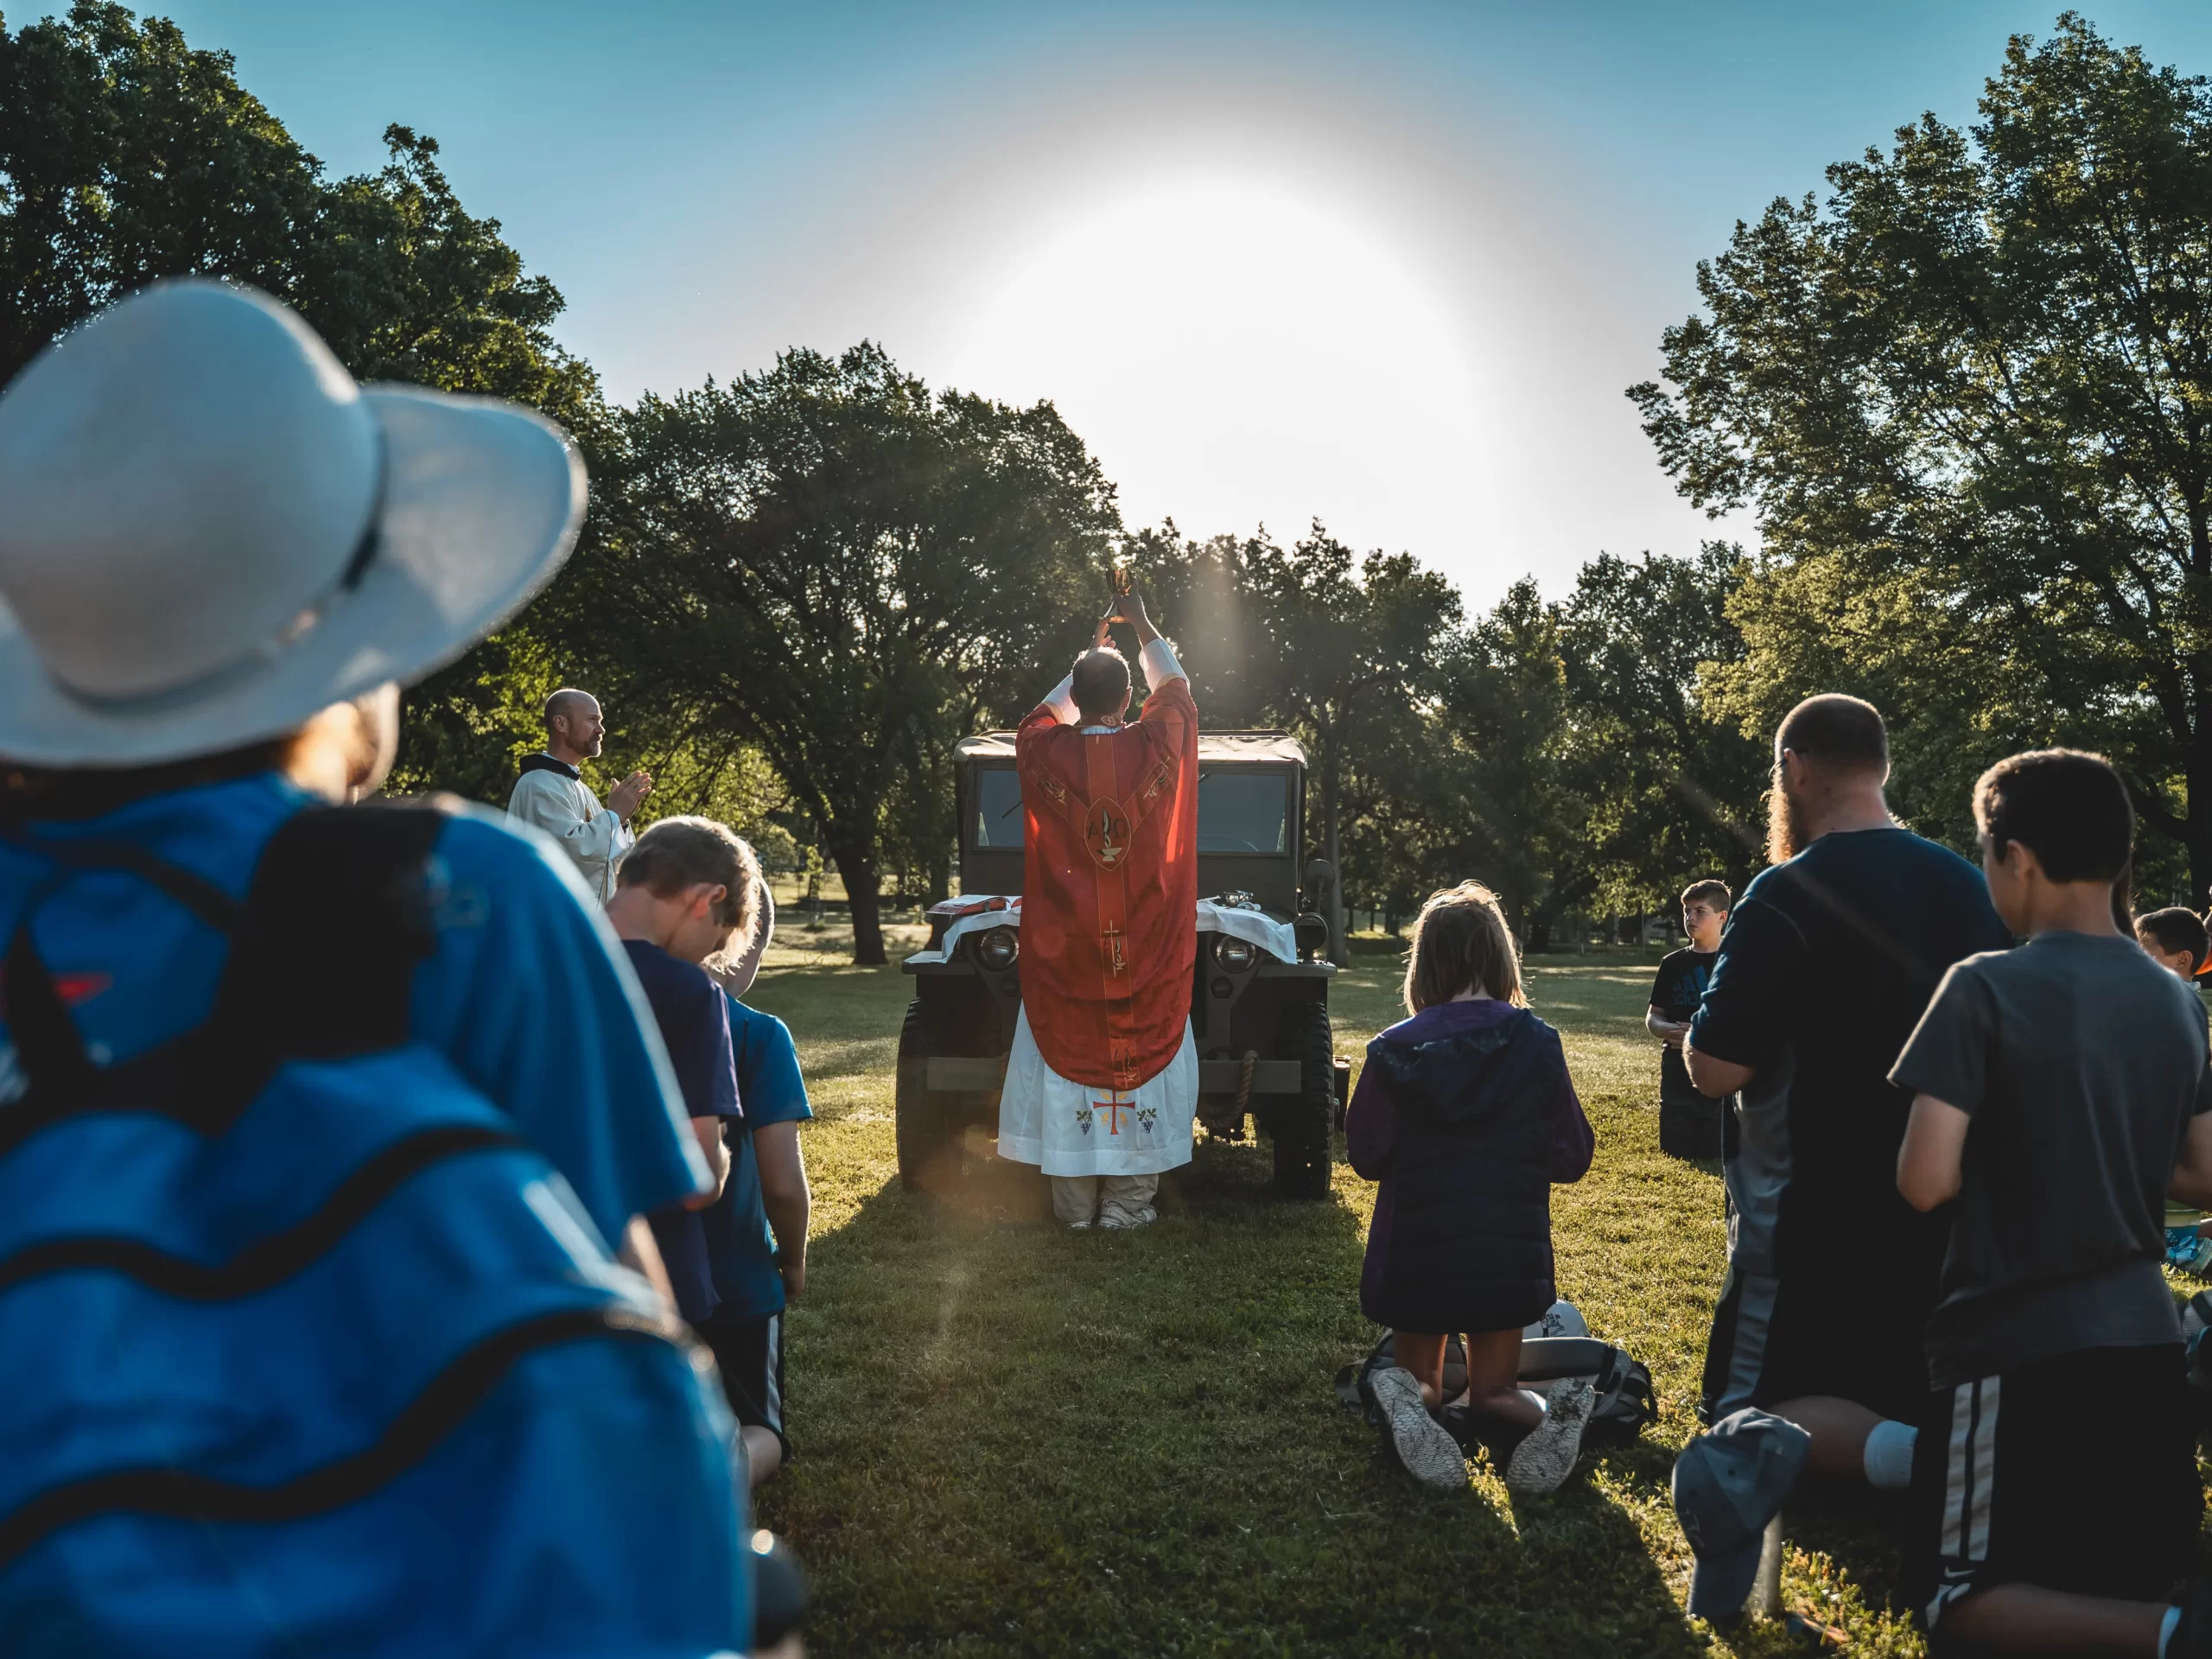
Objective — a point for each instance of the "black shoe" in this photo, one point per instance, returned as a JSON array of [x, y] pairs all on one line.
[[778, 1591]]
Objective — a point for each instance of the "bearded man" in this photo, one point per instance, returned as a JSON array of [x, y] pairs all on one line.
[[1830, 957], [1102, 1081], [552, 795]]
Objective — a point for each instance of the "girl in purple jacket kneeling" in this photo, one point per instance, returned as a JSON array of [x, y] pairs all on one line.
[[1466, 1115]]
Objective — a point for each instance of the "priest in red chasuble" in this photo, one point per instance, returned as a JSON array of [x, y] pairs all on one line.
[[1103, 1082]]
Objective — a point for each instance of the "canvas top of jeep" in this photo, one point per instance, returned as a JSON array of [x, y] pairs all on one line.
[[1251, 812]]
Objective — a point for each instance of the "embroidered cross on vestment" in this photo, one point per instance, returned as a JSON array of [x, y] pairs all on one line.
[[1113, 1111]]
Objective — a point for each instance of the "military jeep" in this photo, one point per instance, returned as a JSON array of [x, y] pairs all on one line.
[[1260, 1019]]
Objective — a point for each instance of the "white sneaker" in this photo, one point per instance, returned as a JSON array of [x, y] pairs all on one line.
[[1430, 1455], [1123, 1221], [1546, 1456]]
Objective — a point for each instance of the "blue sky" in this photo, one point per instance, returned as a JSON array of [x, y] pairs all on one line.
[[1389, 264]]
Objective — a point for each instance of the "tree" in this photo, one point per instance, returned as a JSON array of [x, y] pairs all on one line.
[[1520, 817], [1341, 650], [1675, 793], [832, 563], [1970, 400], [126, 156]]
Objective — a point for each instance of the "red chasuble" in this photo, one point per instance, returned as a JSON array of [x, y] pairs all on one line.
[[1110, 888]]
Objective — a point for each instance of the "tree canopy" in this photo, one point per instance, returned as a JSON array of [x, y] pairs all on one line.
[[1969, 397], [834, 563], [1965, 393], [127, 155]]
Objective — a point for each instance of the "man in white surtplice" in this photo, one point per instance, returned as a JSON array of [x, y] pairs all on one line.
[[551, 793]]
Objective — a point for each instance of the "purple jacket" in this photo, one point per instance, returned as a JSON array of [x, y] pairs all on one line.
[[1466, 1115]]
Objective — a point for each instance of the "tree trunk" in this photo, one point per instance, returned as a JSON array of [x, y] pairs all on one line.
[[856, 864]]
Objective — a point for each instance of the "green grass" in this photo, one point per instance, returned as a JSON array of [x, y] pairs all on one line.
[[1015, 1440]]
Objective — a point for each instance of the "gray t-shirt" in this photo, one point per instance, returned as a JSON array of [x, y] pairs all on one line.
[[2081, 1062]]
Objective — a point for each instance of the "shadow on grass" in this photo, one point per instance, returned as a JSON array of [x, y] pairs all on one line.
[[1016, 1439]]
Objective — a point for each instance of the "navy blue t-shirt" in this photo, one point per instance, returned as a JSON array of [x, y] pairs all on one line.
[[694, 1020], [740, 1245], [1675, 992], [1827, 965]]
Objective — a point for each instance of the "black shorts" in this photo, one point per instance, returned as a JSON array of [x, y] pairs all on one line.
[[1689, 1123], [748, 1351], [2077, 1473], [1777, 1339]]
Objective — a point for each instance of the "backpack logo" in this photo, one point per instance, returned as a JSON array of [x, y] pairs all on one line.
[[73, 989]]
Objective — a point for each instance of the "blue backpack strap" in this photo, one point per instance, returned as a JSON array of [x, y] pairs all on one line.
[[358, 873]]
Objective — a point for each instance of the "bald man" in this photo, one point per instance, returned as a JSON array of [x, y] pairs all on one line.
[[551, 794]]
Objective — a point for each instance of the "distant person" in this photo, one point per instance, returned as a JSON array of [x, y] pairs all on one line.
[[2175, 939], [551, 793], [2059, 1092], [1466, 1115], [1102, 1086], [686, 893], [348, 1366], [1830, 957], [1689, 1124], [756, 1231]]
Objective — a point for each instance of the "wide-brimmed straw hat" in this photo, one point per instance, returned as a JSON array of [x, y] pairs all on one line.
[[208, 531]]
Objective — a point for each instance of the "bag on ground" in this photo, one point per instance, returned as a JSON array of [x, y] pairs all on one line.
[[1626, 1402]]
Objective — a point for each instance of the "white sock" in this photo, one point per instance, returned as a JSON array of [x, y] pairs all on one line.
[[2166, 1628], [1889, 1455]]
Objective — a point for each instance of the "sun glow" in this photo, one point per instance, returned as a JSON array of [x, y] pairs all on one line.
[[1268, 356]]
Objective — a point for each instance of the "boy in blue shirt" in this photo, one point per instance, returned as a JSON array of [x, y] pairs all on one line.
[[756, 1231], [683, 895]]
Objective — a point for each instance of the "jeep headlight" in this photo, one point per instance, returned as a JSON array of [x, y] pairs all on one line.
[[1236, 955], [997, 948]]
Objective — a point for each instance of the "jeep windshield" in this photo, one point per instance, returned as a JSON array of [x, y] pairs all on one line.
[[1239, 811]]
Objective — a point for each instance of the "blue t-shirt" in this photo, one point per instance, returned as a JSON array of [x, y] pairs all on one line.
[[739, 1243], [694, 1021], [524, 992]]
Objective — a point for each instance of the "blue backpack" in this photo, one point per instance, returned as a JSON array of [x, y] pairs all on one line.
[[306, 1351]]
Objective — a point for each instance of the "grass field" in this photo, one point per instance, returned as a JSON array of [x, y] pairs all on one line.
[[1015, 1440]]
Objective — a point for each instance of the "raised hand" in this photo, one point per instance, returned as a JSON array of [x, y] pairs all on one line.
[[624, 799], [1129, 608]]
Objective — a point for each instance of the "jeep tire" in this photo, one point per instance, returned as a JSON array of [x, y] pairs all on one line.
[[1299, 1126], [930, 1125]]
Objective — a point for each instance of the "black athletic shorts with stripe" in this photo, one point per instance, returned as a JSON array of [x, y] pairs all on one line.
[[749, 1353], [2077, 1473]]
